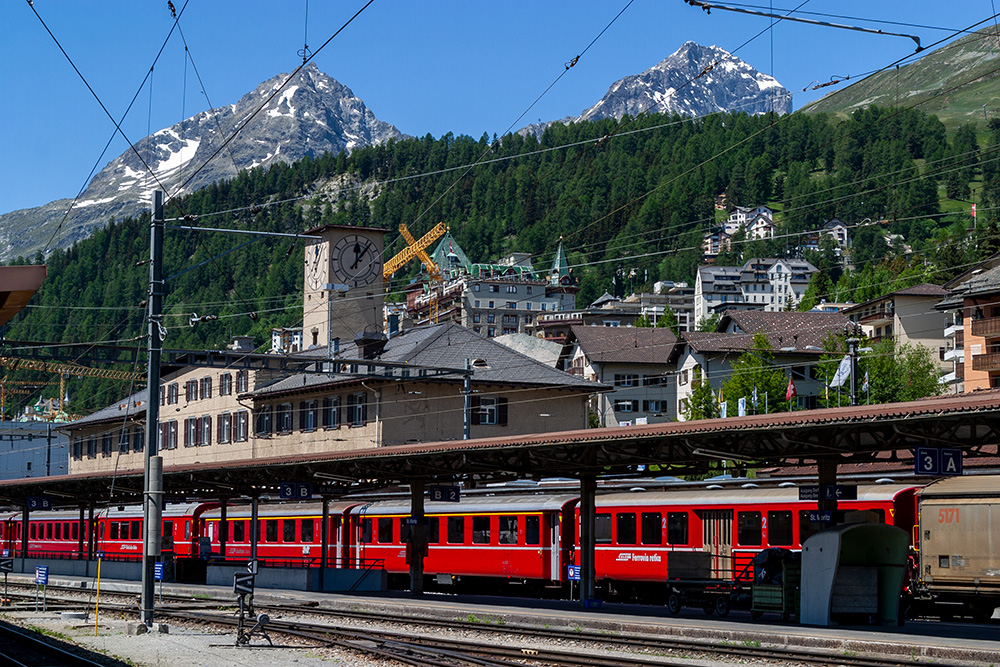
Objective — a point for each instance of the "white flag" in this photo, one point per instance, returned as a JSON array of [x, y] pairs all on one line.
[[843, 372], [741, 406]]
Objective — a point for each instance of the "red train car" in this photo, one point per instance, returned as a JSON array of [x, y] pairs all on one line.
[[646, 541], [510, 539], [290, 534]]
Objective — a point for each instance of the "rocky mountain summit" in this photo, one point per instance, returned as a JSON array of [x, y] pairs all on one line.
[[693, 81], [311, 115]]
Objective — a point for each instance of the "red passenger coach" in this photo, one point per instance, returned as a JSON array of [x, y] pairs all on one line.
[[478, 542], [649, 538], [290, 534]]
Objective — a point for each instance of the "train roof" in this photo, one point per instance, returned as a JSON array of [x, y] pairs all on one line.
[[170, 511], [741, 496], [488, 504], [271, 510], [967, 486]]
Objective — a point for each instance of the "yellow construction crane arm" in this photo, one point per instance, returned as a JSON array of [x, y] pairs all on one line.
[[415, 249], [71, 369]]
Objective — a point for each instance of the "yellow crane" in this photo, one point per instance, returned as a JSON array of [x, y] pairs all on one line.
[[417, 248], [67, 368], [8, 387]]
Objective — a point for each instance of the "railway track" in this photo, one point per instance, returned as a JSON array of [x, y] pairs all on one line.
[[23, 648], [418, 646]]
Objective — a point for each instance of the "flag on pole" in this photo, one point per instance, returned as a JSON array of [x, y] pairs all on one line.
[[864, 386], [843, 372], [741, 406], [724, 409], [790, 393], [755, 401]]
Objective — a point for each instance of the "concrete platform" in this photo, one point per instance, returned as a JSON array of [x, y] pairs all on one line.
[[934, 641]]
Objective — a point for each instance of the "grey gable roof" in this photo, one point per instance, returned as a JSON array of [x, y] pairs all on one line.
[[446, 346]]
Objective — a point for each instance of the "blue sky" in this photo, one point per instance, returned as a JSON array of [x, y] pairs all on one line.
[[431, 66]]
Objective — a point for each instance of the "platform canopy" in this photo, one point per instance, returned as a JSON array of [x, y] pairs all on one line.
[[970, 422], [17, 285]]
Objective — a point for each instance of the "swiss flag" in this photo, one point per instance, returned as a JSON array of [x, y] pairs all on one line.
[[790, 393]]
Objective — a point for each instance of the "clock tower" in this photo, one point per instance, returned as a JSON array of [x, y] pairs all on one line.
[[343, 290]]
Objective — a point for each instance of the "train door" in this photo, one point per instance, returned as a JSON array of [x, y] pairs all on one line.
[[717, 539], [554, 566]]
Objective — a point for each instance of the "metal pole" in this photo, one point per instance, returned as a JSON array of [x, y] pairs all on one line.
[[467, 405], [223, 527], [48, 450], [853, 345], [254, 527], [417, 537], [588, 572], [324, 539], [151, 507]]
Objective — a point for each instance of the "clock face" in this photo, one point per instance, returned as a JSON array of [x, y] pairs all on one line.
[[356, 260], [317, 261]]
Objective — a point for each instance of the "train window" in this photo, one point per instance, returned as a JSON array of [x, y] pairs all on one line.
[[307, 528], [114, 530], [748, 530], [677, 528], [404, 530], [288, 530], [652, 527], [271, 530], [807, 528], [434, 530], [507, 530], [366, 531], [480, 530], [58, 534], [602, 529], [136, 530], [384, 530], [625, 527], [168, 529], [239, 531], [779, 529], [187, 530], [456, 529], [76, 531], [532, 529]]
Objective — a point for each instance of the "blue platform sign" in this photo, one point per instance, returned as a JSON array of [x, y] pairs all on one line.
[[39, 503], [951, 461], [934, 461], [448, 494], [294, 491], [820, 516], [157, 571], [573, 572], [42, 575], [839, 492]]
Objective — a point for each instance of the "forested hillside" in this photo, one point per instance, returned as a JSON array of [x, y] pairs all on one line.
[[636, 194]]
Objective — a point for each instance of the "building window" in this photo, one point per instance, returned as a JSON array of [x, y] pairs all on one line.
[[206, 431], [331, 412], [654, 406], [284, 418], [225, 426], [242, 381], [489, 411], [106, 445], [475, 287], [78, 449], [206, 388], [357, 409], [173, 393], [172, 434], [163, 395], [477, 329], [123, 441], [492, 304], [262, 426], [511, 289], [511, 305], [494, 288], [242, 426], [307, 415], [476, 318], [626, 406], [226, 384], [192, 431], [491, 331], [476, 303], [528, 288], [626, 380], [491, 318], [190, 391]]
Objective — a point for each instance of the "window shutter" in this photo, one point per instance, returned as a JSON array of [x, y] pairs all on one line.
[[326, 413], [303, 420], [218, 427], [501, 411], [635, 406], [475, 411]]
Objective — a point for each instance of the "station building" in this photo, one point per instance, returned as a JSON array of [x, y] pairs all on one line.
[[211, 415]]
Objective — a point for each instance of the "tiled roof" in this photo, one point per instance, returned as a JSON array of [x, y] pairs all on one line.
[[788, 328], [923, 289], [626, 345], [132, 407], [445, 346]]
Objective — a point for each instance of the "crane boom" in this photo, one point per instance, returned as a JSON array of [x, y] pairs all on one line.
[[414, 248], [15, 363]]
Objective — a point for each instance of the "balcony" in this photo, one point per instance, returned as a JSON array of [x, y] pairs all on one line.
[[881, 316], [952, 355], [953, 330], [987, 327], [986, 362]]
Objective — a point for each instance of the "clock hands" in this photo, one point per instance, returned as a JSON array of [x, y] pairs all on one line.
[[358, 254]]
